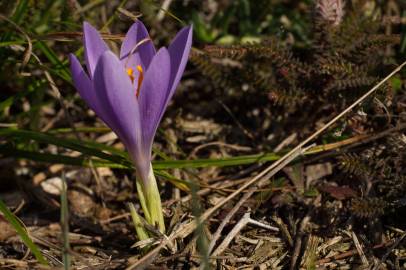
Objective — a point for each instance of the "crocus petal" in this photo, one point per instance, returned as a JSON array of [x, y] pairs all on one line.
[[117, 98], [94, 47], [86, 90], [84, 85], [153, 94], [137, 48], [179, 53]]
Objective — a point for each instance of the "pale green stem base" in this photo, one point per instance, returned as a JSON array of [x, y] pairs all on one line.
[[139, 228], [151, 201]]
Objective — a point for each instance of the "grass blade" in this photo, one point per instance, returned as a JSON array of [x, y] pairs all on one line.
[[86, 148], [10, 217], [58, 67], [120, 158], [65, 226], [8, 151]]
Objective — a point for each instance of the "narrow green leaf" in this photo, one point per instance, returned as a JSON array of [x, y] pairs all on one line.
[[121, 158], [139, 228], [65, 226], [86, 148], [7, 151], [221, 162], [179, 183], [118, 158], [20, 11], [79, 129], [58, 68], [10, 217], [17, 18], [12, 42]]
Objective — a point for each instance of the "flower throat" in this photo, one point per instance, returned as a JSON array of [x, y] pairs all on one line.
[[130, 73]]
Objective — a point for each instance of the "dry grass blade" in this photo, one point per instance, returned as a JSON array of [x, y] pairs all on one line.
[[245, 220], [237, 228], [360, 250]]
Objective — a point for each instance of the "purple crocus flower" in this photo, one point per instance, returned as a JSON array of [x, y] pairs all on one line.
[[131, 92]]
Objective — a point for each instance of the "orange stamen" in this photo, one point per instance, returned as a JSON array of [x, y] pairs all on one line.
[[130, 73], [140, 78]]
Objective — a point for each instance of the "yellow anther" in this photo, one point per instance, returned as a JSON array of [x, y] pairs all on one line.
[[130, 73], [139, 68], [140, 78]]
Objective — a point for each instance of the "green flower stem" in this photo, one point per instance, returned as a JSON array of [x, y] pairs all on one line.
[[141, 195], [139, 228], [151, 201]]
